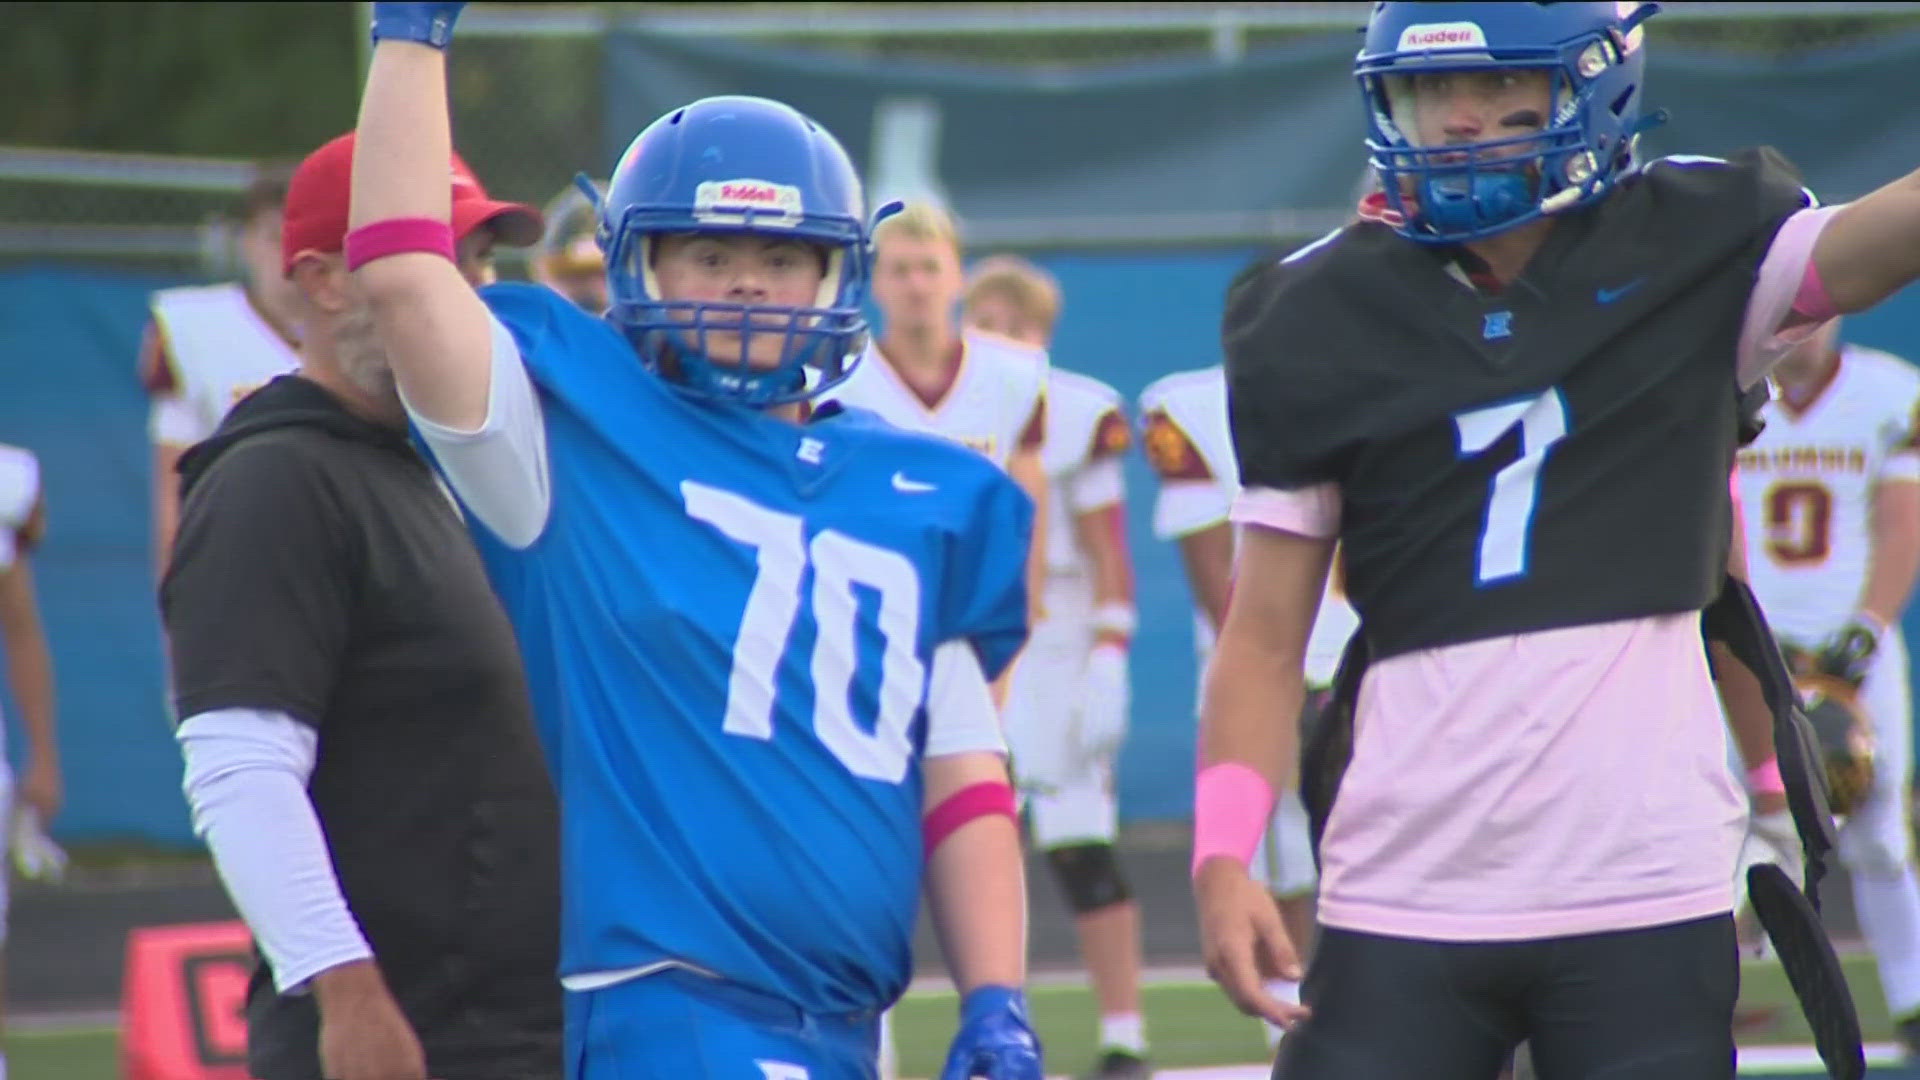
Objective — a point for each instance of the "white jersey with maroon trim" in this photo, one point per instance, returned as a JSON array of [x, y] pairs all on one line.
[[207, 348], [20, 521], [1086, 435], [1807, 485], [1183, 418], [19, 501], [1070, 799], [996, 403]]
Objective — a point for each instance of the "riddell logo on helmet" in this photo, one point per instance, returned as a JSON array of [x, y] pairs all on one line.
[[747, 201], [1453, 35], [747, 192]]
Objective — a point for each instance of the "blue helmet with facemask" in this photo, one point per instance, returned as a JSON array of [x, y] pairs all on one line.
[[738, 165], [1593, 56]]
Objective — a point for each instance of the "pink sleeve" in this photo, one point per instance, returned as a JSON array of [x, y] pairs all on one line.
[[1312, 511], [1781, 289]]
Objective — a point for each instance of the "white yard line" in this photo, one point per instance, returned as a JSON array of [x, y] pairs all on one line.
[[64, 1022], [1756, 1061], [1164, 975]]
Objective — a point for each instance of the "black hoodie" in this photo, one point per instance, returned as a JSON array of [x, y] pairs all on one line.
[[289, 401], [322, 572]]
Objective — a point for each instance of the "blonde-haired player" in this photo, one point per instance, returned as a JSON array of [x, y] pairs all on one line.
[[1189, 445], [208, 346], [29, 675], [1831, 499], [925, 373], [1066, 713]]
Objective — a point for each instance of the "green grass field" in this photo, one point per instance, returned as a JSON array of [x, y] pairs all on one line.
[[1190, 1025]]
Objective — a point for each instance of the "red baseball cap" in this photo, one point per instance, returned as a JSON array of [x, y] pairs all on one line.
[[317, 196]]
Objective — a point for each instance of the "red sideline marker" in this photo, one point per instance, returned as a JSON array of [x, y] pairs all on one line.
[[183, 1008]]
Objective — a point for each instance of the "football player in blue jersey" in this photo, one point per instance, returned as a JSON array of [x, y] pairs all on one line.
[[759, 635]]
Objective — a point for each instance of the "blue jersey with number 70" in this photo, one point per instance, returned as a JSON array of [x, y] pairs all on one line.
[[728, 625]]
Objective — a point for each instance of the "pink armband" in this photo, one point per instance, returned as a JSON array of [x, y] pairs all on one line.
[[1764, 778], [973, 801], [1812, 302], [397, 236], [1232, 805]]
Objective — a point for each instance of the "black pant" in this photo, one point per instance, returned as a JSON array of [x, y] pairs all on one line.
[[1650, 1004]]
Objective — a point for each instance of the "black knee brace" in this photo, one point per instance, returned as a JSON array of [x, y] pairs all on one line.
[[1090, 876]]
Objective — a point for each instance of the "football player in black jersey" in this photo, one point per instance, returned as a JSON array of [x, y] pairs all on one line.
[[1511, 394]]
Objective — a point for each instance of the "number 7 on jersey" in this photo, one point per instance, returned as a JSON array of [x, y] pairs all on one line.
[[1504, 532]]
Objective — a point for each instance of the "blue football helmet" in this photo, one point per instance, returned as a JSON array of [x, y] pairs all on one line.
[[738, 165], [1447, 194]]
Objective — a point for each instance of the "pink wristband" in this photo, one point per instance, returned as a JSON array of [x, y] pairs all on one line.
[[970, 802], [1764, 778], [397, 236], [1232, 805]]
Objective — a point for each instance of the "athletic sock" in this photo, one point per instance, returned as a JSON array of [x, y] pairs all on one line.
[[1119, 1031]]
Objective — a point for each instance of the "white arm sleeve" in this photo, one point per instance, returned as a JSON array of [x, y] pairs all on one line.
[[500, 470], [1100, 484], [1184, 507], [961, 718], [246, 781]]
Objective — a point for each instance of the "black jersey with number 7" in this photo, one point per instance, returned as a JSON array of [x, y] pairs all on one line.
[[1552, 455]]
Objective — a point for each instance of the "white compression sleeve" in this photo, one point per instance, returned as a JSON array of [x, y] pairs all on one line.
[[246, 780]]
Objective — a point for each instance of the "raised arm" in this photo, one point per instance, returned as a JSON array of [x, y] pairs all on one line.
[[435, 329], [1871, 248]]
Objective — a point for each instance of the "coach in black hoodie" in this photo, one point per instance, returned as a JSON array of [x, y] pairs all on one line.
[[360, 754]]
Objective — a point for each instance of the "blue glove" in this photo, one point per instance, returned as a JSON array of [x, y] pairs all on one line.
[[995, 1040], [426, 23]]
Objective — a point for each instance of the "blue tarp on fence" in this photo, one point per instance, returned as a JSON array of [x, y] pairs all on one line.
[[69, 393], [1279, 128]]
